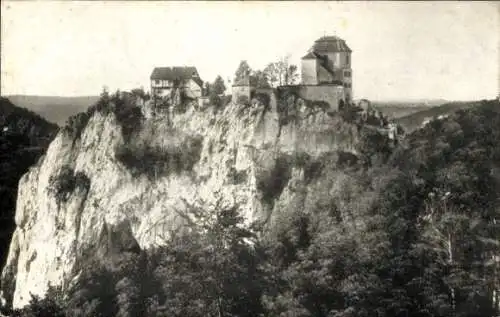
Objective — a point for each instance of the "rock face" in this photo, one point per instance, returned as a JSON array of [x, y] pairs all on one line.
[[146, 183]]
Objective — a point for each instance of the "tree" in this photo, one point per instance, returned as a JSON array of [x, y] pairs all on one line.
[[272, 73], [94, 292], [41, 308], [139, 92], [242, 71], [207, 88], [212, 269], [292, 75], [218, 86], [281, 72], [259, 79]]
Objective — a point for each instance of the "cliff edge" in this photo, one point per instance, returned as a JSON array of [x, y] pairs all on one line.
[[141, 175]]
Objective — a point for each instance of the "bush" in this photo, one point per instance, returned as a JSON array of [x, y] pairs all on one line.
[[272, 183], [155, 162], [129, 116], [263, 99], [40, 308], [76, 124], [237, 177], [139, 92], [244, 100], [346, 159], [373, 146], [129, 119], [323, 105], [216, 101], [226, 99], [349, 114], [67, 181]]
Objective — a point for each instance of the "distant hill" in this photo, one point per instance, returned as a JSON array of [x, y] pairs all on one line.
[[52, 108], [397, 109], [24, 137], [415, 120]]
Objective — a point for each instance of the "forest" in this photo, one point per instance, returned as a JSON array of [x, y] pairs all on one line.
[[427, 245]]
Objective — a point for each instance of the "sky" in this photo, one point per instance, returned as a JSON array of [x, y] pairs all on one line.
[[401, 50]]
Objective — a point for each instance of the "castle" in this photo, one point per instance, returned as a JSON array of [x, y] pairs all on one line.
[[326, 75], [328, 64]]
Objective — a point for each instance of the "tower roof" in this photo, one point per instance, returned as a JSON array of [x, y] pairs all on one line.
[[327, 44], [310, 55]]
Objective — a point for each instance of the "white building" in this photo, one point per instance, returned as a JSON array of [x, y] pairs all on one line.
[[165, 79]]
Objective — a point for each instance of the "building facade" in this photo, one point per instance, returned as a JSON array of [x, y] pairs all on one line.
[[328, 63], [242, 89], [165, 79]]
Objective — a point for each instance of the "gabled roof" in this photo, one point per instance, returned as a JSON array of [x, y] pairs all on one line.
[[198, 81], [310, 55], [322, 59], [176, 73]]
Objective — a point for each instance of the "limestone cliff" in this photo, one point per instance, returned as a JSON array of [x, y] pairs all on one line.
[[143, 183]]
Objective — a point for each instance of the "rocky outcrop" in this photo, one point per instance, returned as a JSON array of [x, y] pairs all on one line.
[[104, 193]]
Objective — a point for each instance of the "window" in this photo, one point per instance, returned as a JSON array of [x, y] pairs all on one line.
[[347, 59], [347, 73], [157, 82]]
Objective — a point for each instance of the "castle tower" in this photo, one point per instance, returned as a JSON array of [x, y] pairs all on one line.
[[328, 62]]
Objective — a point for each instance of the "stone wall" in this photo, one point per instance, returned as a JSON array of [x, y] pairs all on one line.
[[332, 94], [239, 91], [309, 72]]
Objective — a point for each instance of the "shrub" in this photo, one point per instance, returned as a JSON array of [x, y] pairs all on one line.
[[349, 114], [243, 100], [129, 119], [272, 183], [263, 99], [226, 99], [216, 101], [237, 177], [40, 308], [312, 170], [373, 145], [67, 181], [323, 105], [139, 92], [301, 159], [128, 116], [182, 105], [154, 162], [180, 108], [76, 124], [346, 159]]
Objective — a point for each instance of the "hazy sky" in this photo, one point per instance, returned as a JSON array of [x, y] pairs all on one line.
[[400, 50]]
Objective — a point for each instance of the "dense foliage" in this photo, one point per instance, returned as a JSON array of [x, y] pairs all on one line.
[[426, 244], [24, 137], [127, 114], [67, 181], [154, 162]]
